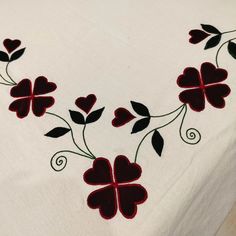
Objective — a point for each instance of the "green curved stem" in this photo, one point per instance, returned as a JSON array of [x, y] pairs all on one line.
[[193, 135], [7, 82], [85, 143], [144, 137], [167, 114], [72, 135], [230, 31], [14, 83], [218, 51]]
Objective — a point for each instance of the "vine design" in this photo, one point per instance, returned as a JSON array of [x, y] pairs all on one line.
[[119, 189], [59, 162], [201, 86]]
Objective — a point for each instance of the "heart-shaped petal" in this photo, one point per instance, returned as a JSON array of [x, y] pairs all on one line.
[[21, 107], [42, 86], [40, 104], [129, 196], [125, 171], [197, 36], [211, 74], [11, 45], [122, 116], [22, 89], [86, 103], [189, 78], [105, 200], [100, 173], [215, 94], [194, 97]]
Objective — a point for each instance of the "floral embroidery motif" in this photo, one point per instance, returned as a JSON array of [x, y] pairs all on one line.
[[11, 45], [208, 30], [205, 85], [199, 86], [86, 103], [116, 191], [119, 189], [23, 91], [122, 116], [197, 36], [58, 160]]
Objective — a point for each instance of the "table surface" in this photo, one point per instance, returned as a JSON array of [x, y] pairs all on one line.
[[228, 228]]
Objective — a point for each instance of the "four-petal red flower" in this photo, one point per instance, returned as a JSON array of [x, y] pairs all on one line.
[[26, 96], [117, 192], [205, 84]]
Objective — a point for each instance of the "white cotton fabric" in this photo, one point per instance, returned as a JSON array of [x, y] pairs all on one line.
[[119, 50]]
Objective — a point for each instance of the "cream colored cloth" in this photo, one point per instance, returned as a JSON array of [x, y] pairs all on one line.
[[121, 51]]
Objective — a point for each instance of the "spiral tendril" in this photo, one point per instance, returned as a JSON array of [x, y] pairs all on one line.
[[58, 163], [192, 135]]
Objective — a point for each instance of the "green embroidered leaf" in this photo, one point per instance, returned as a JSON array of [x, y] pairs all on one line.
[[94, 116], [140, 109], [157, 142], [17, 54], [4, 56], [77, 117], [140, 125], [57, 132], [213, 41], [232, 49], [210, 29]]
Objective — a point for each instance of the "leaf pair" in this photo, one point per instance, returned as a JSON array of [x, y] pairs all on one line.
[[141, 110], [16, 55], [78, 117], [215, 40]]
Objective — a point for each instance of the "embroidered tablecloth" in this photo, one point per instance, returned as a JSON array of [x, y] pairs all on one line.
[[117, 117]]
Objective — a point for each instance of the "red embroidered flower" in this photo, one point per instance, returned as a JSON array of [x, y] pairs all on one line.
[[86, 103], [11, 45], [26, 96], [205, 84], [122, 117], [117, 192], [197, 36]]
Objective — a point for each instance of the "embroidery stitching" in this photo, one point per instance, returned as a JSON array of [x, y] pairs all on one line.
[[118, 190]]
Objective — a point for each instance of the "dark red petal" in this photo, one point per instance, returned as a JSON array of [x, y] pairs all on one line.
[[21, 107], [100, 173], [190, 78], [11, 45], [22, 89], [86, 103], [129, 196], [210, 74], [42, 86], [194, 97], [122, 116], [125, 171], [197, 36], [40, 104], [215, 94], [105, 200]]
